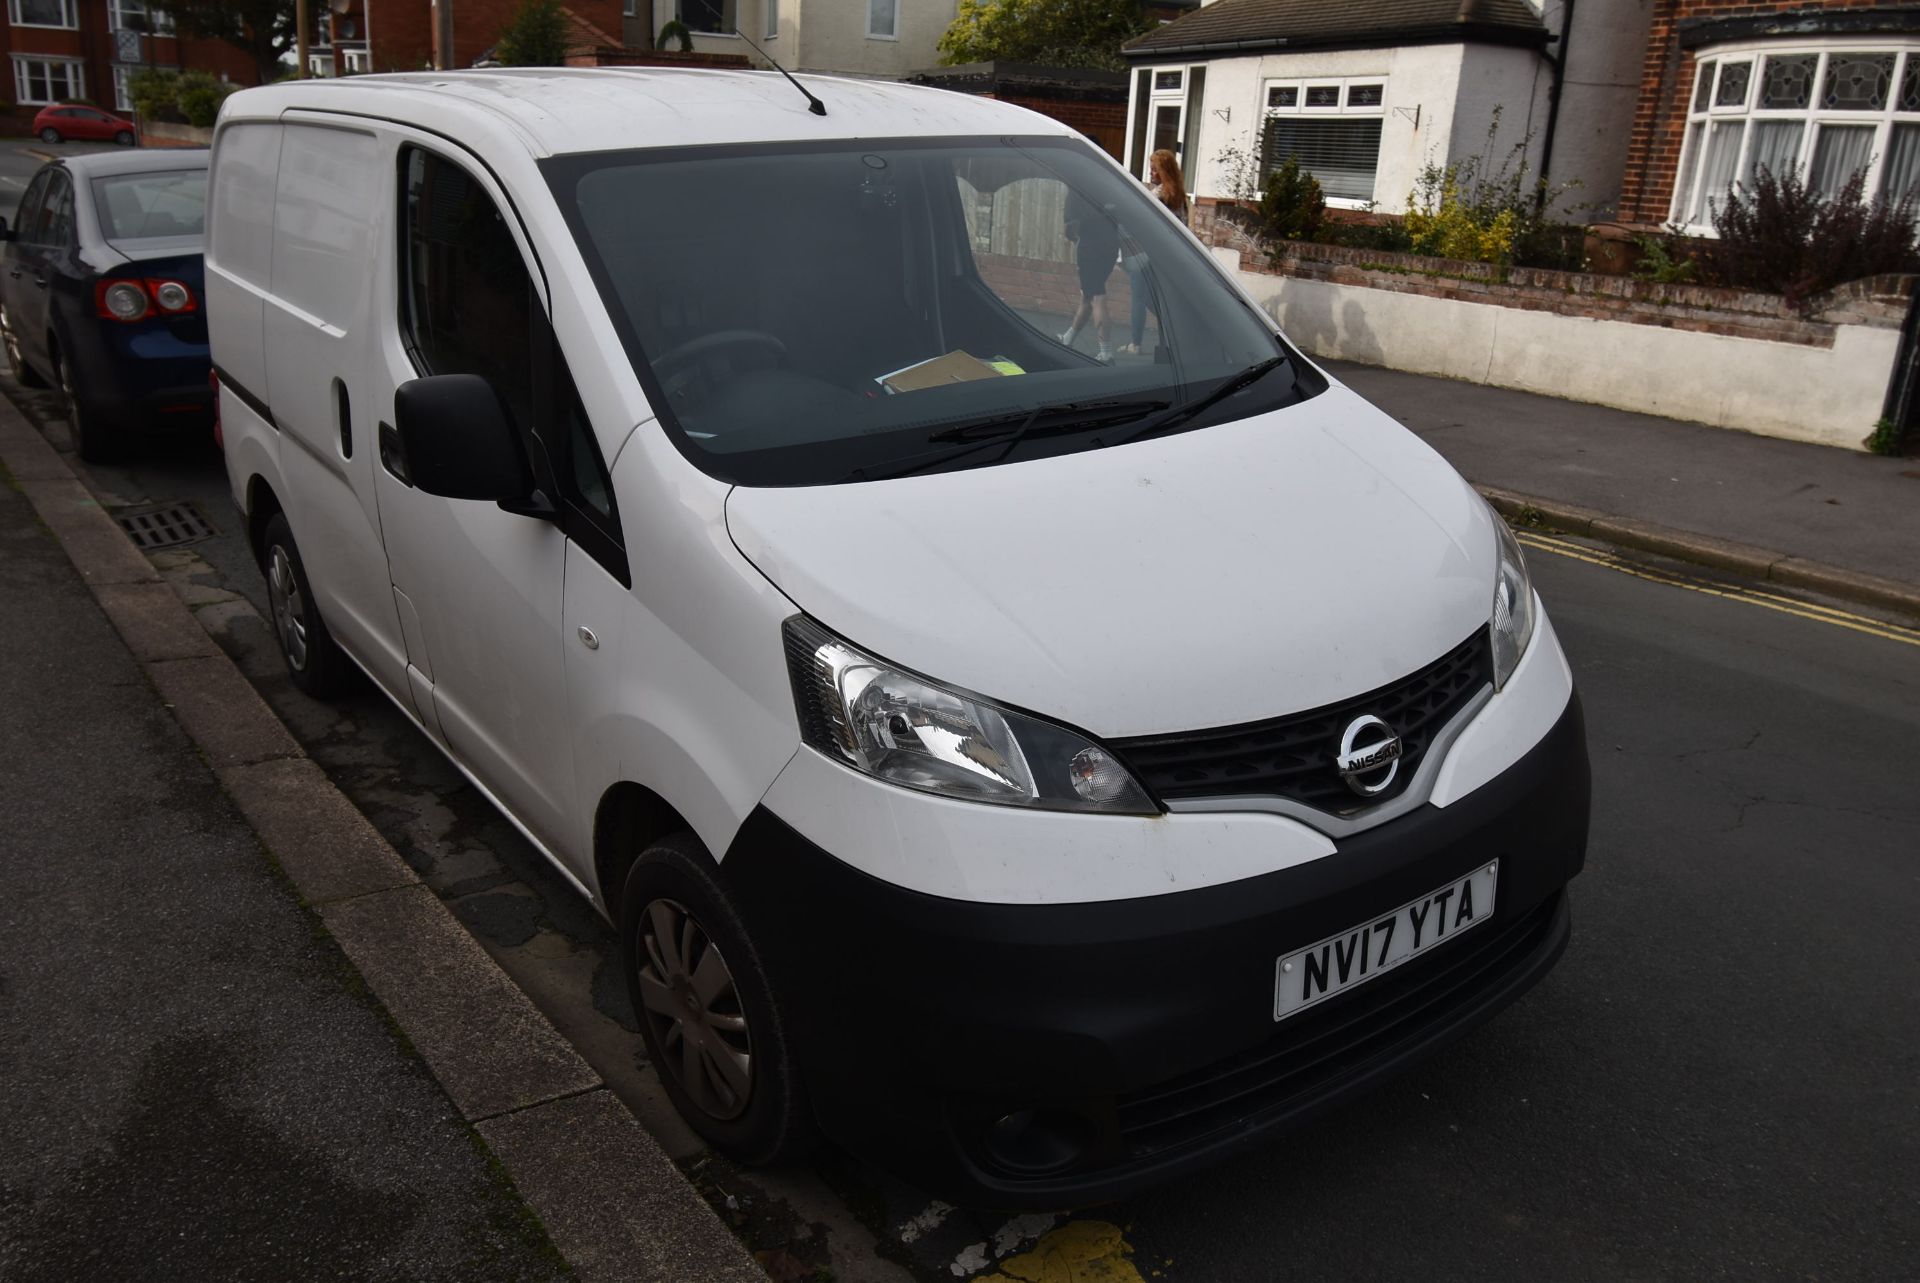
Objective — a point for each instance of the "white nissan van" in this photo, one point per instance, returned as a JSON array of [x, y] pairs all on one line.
[[1039, 773]]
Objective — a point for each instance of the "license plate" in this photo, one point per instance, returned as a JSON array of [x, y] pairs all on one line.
[[1358, 954]]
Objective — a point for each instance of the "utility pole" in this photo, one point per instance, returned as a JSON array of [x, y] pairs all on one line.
[[443, 32], [300, 38]]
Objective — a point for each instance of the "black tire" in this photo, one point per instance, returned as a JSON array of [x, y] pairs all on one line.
[[774, 1123], [124, 138], [95, 437], [314, 661], [25, 375], [50, 135]]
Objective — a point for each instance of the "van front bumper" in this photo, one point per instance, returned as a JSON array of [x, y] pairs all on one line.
[[1054, 1055]]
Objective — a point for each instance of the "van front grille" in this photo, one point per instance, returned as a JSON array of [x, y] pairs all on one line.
[[1293, 756]]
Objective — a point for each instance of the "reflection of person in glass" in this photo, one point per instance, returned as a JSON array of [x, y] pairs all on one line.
[[1096, 241], [1170, 190]]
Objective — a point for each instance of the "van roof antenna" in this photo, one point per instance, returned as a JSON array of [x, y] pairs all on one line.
[[814, 105]]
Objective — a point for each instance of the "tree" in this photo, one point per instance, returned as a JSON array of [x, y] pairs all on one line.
[[1052, 33], [537, 36], [261, 29]]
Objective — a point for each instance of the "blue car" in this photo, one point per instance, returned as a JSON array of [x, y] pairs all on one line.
[[101, 293]]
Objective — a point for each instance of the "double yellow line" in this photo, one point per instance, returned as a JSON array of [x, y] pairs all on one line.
[[1732, 592]]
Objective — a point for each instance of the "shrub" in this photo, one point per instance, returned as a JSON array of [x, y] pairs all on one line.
[[678, 32], [1788, 239], [1471, 209], [1292, 206], [1886, 438], [1665, 259], [1388, 235], [155, 94], [199, 96], [537, 36]]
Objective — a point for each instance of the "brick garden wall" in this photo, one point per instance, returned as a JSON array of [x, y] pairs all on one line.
[[1878, 302], [1666, 81]]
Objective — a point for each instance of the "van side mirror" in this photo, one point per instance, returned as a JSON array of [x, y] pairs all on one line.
[[457, 442]]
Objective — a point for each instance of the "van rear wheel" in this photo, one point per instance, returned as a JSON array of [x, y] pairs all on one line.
[[712, 1025], [314, 662]]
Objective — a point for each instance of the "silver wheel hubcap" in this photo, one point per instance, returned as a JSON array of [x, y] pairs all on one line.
[[694, 1010], [289, 607]]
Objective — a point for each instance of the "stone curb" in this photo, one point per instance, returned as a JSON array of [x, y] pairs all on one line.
[[1706, 550], [614, 1203]]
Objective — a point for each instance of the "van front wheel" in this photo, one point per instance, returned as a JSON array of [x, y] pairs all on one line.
[[712, 1027], [314, 663]]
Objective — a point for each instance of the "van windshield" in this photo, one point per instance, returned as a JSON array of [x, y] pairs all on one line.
[[814, 313]]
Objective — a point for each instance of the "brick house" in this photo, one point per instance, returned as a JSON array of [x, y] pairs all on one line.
[[73, 50], [1817, 90], [1365, 93]]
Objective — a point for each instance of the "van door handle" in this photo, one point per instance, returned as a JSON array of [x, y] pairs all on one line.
[[393, 455]]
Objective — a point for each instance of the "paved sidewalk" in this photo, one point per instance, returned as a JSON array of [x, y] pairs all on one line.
[[196, 1086], [1852, 510]]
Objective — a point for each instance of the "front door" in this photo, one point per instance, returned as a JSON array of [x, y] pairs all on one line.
[[480, 589]]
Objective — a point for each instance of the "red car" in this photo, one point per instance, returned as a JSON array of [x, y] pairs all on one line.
[[71, 121]]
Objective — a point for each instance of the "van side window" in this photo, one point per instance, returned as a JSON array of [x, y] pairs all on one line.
[[468, 303]]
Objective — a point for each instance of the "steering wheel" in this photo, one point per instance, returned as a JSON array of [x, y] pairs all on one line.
[[720, 340]]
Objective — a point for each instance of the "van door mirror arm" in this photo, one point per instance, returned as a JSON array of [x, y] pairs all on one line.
[[535, 505]]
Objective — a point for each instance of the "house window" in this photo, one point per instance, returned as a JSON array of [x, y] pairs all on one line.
[[320, 65], [44, 13], [122, 76], [1332, 128], [134, 15], [773, 19], [711, 17], [1164, 81], [629, 8], [1818, 115], [883, 19], [44, 80], [359, 61]]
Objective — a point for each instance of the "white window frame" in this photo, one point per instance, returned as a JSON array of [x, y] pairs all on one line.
[[358, 61], [1697, 219], [118, 11], [1343, 110], [122, 74], [76, 79], [629, 8], [894, 35], [320, 65], [772, 24], [70, 7]]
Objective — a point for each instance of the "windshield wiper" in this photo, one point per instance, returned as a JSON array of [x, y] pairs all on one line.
[[1008, 430], [1182, 413]]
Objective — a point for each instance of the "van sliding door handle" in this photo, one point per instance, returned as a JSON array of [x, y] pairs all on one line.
[[393, 455]]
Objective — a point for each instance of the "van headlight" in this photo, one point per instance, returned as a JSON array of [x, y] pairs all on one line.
[[1512, 625], [907, 730]]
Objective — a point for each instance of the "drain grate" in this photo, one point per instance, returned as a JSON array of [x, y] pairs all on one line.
[[168, 527]]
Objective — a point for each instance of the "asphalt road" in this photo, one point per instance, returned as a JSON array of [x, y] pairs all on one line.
[[1719, 1080]]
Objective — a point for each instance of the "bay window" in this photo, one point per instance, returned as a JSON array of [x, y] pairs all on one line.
[[1819, 115]]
